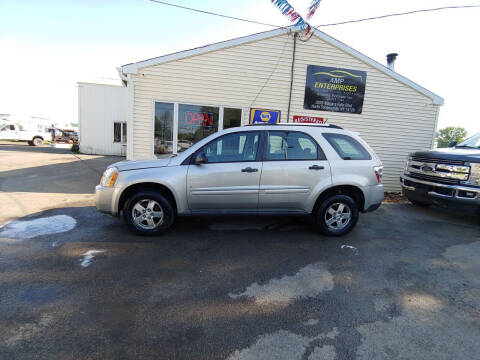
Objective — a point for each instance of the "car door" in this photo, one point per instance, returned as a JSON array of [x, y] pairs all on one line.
[[229, 181], [9, 132], [294, 166]]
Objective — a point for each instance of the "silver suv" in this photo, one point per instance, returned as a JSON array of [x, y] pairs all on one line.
[[282, 169]]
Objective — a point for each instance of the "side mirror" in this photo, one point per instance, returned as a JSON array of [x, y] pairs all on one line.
[[200, 158], [452, 144]]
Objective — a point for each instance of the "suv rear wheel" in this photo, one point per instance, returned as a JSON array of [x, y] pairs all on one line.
[[337, 215], [148, 213]]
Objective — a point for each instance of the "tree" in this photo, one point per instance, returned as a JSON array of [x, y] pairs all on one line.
[[450, 134]]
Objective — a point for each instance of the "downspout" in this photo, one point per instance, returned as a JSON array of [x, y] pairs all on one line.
[[131, 85], [131, 117], [291, 75]]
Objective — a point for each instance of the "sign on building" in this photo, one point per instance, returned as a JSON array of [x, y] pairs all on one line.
[[264, 116], [334, 89], [308, 119]]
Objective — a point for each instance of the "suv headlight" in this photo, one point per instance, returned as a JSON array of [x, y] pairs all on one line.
[[109, 177], [474, 178]]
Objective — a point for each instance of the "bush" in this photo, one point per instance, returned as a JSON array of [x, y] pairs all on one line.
[[450, 134]]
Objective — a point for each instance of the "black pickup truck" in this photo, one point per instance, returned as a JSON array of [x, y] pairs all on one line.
[[448, 177]]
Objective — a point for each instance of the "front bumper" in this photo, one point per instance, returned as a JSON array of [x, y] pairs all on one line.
[[466, 198], [106, 200]]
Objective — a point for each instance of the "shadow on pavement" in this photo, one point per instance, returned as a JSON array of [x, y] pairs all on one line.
[[75, 177], [34, 149]]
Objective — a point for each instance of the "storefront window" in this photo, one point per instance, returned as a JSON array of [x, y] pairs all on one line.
[[163, 140], [195, 123], [231, 117]]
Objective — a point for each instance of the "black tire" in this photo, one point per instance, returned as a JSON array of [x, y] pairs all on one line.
[[30, 143], [342, 225], [37, 141], [143, 198]]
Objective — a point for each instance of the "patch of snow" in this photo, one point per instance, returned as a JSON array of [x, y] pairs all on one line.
[[279, 345], [311, 322], [350, 247], [27, 229], [287, 345], [309, 281], [331, 334], [88, 257], [326, 352]]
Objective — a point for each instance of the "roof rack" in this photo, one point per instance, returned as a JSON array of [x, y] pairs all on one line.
[[297, 124]]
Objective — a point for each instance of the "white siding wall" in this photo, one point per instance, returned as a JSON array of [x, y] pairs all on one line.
[[396, 119], [99, 106]]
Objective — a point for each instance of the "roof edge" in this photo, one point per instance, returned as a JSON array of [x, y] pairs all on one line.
[[98, 84], [134, 67], [437, 100]]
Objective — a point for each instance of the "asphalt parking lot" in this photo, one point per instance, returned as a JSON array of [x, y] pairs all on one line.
[[76, 284]]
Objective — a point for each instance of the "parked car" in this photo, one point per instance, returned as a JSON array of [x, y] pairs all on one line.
[[16, 132], [448, 177], [283, 169]]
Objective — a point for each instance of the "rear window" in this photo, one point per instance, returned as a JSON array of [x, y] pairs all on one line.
[[347, 147]]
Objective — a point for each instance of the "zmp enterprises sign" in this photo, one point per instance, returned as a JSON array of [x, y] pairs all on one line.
[[334, 89]]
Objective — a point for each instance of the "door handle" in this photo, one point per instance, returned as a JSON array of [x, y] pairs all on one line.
[[316, 167], [249, 169]]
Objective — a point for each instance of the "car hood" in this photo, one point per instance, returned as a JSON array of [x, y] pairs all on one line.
[[141, 164], [451, 154]]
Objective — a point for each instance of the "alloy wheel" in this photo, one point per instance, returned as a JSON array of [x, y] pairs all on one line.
[[338, 216], [147, 214]]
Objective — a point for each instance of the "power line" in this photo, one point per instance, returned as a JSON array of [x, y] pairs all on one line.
[[321, 25], [271, 74], [216, 14], [400, 14]]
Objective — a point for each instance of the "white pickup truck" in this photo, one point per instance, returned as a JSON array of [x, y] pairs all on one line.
[[16, 132]]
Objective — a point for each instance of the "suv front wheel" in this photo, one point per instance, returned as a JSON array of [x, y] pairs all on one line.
[[148, 213], [337, 215]]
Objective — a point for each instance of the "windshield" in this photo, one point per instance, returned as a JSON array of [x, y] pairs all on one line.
[[473, 142]]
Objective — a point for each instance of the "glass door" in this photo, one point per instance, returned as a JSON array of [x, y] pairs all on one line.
[[163, 135]]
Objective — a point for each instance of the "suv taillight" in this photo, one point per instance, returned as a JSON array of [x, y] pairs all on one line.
[[378, 173]]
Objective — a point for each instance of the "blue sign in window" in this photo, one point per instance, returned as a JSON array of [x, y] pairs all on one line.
[[263, 116]]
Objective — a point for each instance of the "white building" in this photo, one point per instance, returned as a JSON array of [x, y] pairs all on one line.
[[175, 100], [102, 119]]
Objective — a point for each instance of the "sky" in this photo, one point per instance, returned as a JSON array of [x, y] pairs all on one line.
[[47, 46]]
